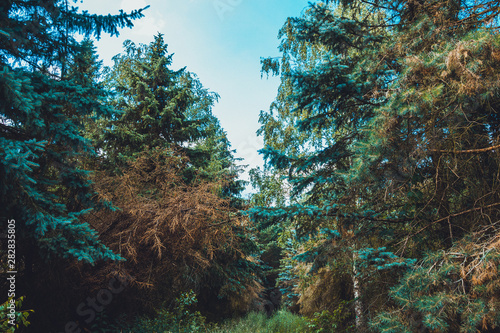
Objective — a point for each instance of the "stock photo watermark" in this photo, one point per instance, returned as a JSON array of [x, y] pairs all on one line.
[[222, 7], [249, 149], [88, 309], [11, 271]]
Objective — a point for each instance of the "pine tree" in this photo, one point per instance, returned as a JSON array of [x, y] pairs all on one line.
[[156, 106], [47, 90], [324, 80]]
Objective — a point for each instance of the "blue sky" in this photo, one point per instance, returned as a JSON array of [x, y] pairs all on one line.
[[221, 41]]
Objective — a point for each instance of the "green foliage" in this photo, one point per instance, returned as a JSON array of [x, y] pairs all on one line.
[[448, 291], [272, 191], [181, 319], [281, 322], [11, 317], [41, 33], [386, 127], [41, 138], [369, 259], [325, 321], [156, 106], [381, 146], [164, 149], [48, 88], [103, 323]]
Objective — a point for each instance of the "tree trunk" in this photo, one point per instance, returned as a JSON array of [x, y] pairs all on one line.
[[358, 304]]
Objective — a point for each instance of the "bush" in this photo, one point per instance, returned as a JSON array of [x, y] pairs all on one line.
[[338, 321], [16, 316], [180, 320]]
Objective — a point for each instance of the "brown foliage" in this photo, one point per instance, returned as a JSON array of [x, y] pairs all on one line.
[[169, 230], [326, 293]]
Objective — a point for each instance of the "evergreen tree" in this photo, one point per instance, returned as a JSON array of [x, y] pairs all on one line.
[[47, 89], [324, 80], [176, 235], [178, 224], [156, 106], [160, 107], [397, 120], [41, 124]]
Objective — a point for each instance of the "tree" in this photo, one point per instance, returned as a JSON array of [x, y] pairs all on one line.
[[325, 78], [45, 98], [166, 163], [41, 127], [156, 106], [399, 119], [176, 235], [159, 107]]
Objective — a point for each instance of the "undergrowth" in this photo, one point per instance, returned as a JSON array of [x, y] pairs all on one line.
[[181, 319], [281, 322]]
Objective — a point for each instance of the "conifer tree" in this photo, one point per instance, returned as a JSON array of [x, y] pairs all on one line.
[[319, 98], [161, 107], [42, 108], [168, 151], [400, 126], [157, 106]]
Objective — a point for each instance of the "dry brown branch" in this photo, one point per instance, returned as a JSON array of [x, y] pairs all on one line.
[[468, 151], [447, 218], [166, 226]]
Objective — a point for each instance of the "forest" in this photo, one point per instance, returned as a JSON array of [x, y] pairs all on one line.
[[375, 211]]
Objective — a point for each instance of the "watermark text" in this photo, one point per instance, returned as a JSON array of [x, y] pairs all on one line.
[[11, 271]]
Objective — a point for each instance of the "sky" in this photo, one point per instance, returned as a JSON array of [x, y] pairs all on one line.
[[222, 42]]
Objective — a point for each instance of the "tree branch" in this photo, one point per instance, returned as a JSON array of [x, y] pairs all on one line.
[[469, 151], [448, 217]]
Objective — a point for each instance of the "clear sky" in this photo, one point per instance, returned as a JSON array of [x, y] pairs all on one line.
[[221, 41]]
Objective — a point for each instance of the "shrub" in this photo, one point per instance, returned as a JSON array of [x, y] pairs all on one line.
[[180, 320], [18, 316]]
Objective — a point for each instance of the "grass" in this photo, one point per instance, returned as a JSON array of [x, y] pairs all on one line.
[[281, 322]]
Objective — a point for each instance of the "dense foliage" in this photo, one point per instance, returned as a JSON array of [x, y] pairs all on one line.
[[41, 111], [386, 126], [166, 164], [377, 208], [76, 138]]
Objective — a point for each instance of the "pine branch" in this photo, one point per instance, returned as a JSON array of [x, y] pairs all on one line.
[[447, 218], [469, 151]]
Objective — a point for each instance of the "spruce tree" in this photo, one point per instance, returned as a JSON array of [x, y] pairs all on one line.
[[178, 224], [42, 108], [321, 98], [156, 106]]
